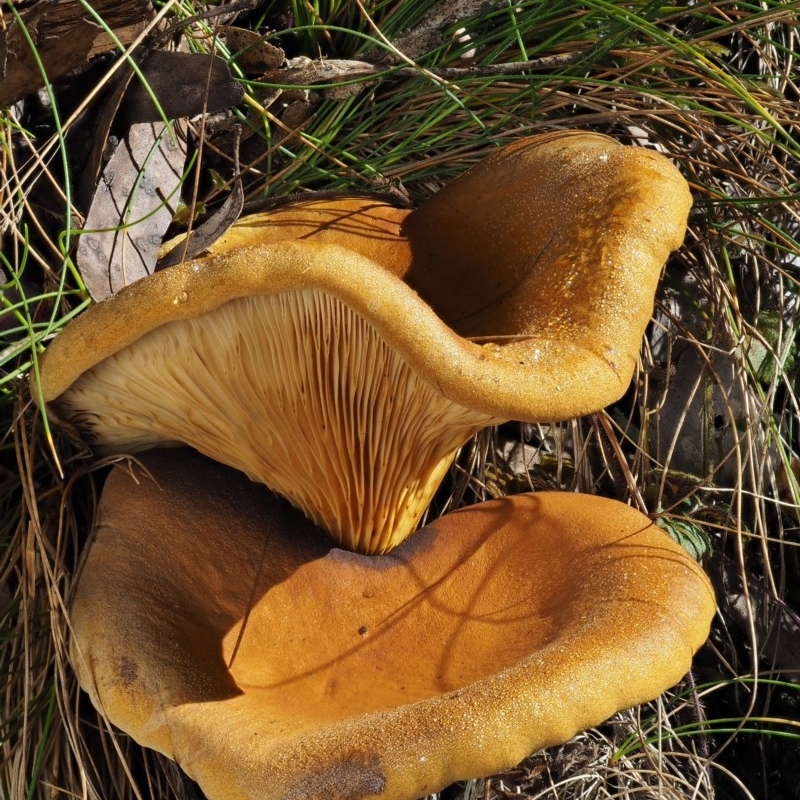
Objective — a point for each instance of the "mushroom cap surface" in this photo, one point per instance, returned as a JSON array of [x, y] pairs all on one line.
[[574, 230], [369, 226], [213, 623], [520, 291]]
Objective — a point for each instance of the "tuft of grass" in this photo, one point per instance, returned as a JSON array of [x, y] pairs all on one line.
[[707, 440]]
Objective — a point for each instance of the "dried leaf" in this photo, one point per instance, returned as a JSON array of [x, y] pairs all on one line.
[[101, 124], [776, 625], [334, 75], [131, 209], [253, 55], [294, 116], [217, 224], [206, 234], [186, 84], [427, 34]]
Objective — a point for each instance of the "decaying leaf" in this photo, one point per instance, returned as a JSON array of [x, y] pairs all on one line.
[[337, 79], [253, 55], [102, 122], [168, 74], [185, 85], [206, 234], [427, 34], [294, 115], [131, 209], [333, 78], [776, 625], [702, 379], [198, 240]]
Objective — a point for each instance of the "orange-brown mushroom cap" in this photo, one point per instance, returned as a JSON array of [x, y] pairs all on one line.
[[214, 624], [344, 372], [366, 225]]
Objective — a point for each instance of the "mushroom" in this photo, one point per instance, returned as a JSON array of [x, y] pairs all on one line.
[[215, 624], [346, 381]]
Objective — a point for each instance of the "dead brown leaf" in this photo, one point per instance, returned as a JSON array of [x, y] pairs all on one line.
[[206, 234], [131, 210], [184, 84], [252, 53]]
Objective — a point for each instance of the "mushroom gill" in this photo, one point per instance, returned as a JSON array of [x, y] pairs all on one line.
[[298, 391]]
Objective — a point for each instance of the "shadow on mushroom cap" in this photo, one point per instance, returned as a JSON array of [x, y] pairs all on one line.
[[228, 635]]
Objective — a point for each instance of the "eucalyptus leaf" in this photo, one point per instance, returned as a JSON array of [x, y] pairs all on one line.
[[131, 209]]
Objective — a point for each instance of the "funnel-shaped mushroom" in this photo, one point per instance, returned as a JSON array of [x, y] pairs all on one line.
[[269, 665], [320, 372]]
